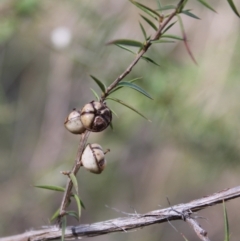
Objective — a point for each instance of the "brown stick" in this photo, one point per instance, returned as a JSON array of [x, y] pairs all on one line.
[[75, 169], [133, 221], [201, 233]]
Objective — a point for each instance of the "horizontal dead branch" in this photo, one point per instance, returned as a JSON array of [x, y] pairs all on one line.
[[133, 221]]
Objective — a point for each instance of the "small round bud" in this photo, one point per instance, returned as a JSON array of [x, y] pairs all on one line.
[[93, 158], [96, 116], [73, 123]]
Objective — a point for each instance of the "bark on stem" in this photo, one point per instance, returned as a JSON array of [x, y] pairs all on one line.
[[75, 169], [132, 221]]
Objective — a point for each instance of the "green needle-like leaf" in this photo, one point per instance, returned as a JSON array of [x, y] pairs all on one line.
[[55, 215], [128, 106], [122, 47], [53, 188], [73, 214], [95, 94], [143, 31], [127, 42], [149, 22], [113, 113], [119, 87], [226, 224], [135, 79], [171, 36], [82, 204], [111, 126], [74, 181], [135, 87], [168, 27], [162, 41], [182, 5], [150, 60], [99, 83], [146, 9], [64, 225], [159, 4], [204, 3], [233, 7], [167, 7], [77, 199], [188, 13]]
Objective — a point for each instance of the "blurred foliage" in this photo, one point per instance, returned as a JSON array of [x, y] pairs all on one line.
[[191, 148]]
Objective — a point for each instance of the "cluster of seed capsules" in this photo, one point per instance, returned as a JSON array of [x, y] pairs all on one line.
[[96, 117]]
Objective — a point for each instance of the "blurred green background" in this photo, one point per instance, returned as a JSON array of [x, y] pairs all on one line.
[[191, 149]]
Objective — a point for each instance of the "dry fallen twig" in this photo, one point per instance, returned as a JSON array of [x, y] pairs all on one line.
[[176, 212]]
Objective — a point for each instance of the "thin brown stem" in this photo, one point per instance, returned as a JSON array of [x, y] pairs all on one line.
[[142, 52], [201, 233], [75, 169]]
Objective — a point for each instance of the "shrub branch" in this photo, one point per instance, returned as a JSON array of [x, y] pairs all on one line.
[[134, 221], [144, 50], [76, 167]]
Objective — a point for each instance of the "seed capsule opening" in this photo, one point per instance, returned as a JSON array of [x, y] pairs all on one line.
[[96, 116]]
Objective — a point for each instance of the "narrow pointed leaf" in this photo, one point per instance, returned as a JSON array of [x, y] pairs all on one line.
[[149, 22], [120, 87], [185, 40], [82, 204], [111, 126], [162, 41], [150, 60], [226, 224], [135, 79], [128, 106], [127, 42], [73, 214], [99, 83], [159, 4], [113, 113], [95, 94], [149, 37], [135, 87], [188, 13], [114, 90], [64, 225], [171, 36], [143, 31], [74, 181], [146, 9], [53, 188], [168, 27], [181, 7], [233, 7], [167, 7], [55, 215], [122, 47], [77, 199], [204, 3]]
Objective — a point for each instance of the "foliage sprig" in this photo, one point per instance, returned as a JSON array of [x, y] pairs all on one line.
[[160, 23]]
